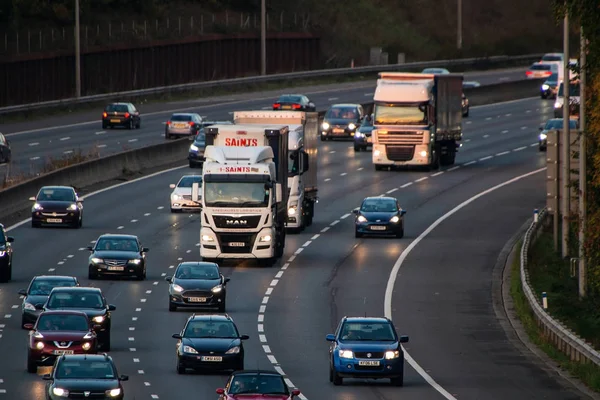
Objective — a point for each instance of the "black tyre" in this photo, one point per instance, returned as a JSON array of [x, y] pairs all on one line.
[[400, 234], [105, 342], [192, 165], [222, 307], [5, 274], [239, 366], [336, 379], [31, 365], [180, 368], [92, 275], [378, 167], [357, 234], [104, 125], [172, 307], [139, 124], [130, 126], [397, 381], [357, 148]]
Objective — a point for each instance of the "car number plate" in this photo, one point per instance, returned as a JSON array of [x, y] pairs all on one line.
[[179, 126], [197, 299], [377, 228], [286, 107], [61, 352], [54, 220], [211, 358], [369, 363], [115, 120], [338, 130], [236, 244], [368, 140], [116, 268]]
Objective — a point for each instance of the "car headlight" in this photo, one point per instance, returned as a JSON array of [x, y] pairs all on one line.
[[194, 148], [99, 319], [29, 306], [176, 288], [390, 355], [292, 210], [325, 125], [558, 104], [265, 238], [395, 219], [207, 238], [137, 261], [2, 253], [88, 336], [233, 350], [36, 206], [72, 207], [346, 354], [190, 350], [97, 260], [113, 392], [543, 136], [359, 135], [39, 345], [545, 87], [351, 126], [176, 197], [60, 392], [217, 289], [361, 219], [86, 346]]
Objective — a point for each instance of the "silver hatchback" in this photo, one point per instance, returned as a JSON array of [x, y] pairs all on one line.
[[183, 124]]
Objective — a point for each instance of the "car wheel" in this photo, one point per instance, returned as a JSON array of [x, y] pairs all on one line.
[[336, 379], [378, 167], [222, 307], [174, 210], [356, 148], [105, 342], [239, 366], [92, 275], [23, 321], [34, 224], [180, 368], [192, 165], [139, 124], [104, 126], [397, 381], [141, 276], [357, 234], [542, 148], [4, 275], [400, 234], [323, 138], [130, 126], [31, 365], [172, 307]]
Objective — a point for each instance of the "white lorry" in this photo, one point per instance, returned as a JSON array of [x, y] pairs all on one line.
[[244, 193], [302, 160], [417, 119]]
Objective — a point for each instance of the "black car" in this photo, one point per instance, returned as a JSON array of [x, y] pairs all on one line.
[[37, 293], [465, 105], [6, 255], [341, 121], [379, 216], [79, 376], [89, 300], [294, 102], [362, 137], [553, 124], [183, 124], [254, 383], [197, 284], [196, 153], [117, 255], [121, 114], [549, 88], [57, 206], [210, 342], [5, 150]]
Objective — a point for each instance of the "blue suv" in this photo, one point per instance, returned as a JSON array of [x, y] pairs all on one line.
[[366, 348]]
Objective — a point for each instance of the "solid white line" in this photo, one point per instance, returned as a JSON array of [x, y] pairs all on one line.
[[406, 185], [389, 290], [503, 153]]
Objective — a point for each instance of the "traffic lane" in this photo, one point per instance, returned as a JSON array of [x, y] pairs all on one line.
[[348, 276], [460, 339]]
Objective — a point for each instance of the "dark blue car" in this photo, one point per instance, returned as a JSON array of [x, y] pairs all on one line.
[[196, 152], [549, 88], [366, 348], [362, 137], [379, 216]]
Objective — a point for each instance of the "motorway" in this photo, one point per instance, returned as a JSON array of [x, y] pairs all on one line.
[[442, 297], [35, 143]]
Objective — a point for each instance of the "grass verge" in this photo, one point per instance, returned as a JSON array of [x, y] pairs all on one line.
[[589, 374]]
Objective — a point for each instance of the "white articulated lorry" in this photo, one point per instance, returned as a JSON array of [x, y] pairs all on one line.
[[302, 160], [417, 119], [244, 193]]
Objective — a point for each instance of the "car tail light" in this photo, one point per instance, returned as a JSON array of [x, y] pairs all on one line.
[[547, 73], [104, 114], [276, 106], [168, 122], [127, 115], [191, 123], [296, 106], [528, 73]]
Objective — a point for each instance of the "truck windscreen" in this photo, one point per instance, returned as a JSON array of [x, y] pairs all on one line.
[[236, 194], [396, 114]]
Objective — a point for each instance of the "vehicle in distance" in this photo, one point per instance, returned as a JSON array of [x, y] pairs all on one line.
[[379, 216], [5, 150], [37, 293], [362, 137], [549, 88], [296, 102], [437, 71], [541, 70], [574, 99], [553, 124], [183, 124], [6, 255], [181, 197], [471, 84], [210, 342], [366, 348], [197, 284], [256, 384], [196, 152], [80, 376], [117, 255], [341, 121], [121, 114], [89, 300], [465, 105], [553, 57], [57, 205], [57, 333]]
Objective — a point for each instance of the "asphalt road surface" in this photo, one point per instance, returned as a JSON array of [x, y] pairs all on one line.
[[35, 143], [442, 297]]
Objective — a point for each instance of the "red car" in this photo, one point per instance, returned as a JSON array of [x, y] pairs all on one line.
[[56, 333], [256, 385]]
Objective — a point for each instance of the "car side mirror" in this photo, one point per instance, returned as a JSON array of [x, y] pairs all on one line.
[[10, 239], [23, 292], [220, 391], [32, 199], [124, 378], [172, 186], [112, 307], [90, 248], [28, 326], [145, 249], [47, 377], [403, 339], [176, 336], [39, 306], [403, 212], [330, 337], [295, 392], [226, 280], [244, 337], [169, 279], [355, 211]]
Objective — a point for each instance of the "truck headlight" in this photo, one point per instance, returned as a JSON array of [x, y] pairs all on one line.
[[207, 238], [325, 125], [543, 136], [346, 354], [194, 148], [423, 153], [390, 355], [351, 126], [291, 210], [265, 238]]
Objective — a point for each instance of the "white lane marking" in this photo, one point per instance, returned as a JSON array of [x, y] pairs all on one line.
[[488, 119], [486, 136], [307, 243], [141, 371], [406, 185], [523, 128], [261, 328], [100, 133], [389, 290], [527, 111], [60, 263], [469, 122], [265, 299], [520, 148], [7, 315], [120, 227], [334, 223], [503, 78], [146, 383], [369, 94], [51, 269], [262, 108], [160, 207], [269, 291], [134, 220], [505, 131], [502, 153], [534, 144], [68, 152], [148, 291], [391, 190], [132, 349], [132, 140], [485, 158], [274, 282], [345, 216], [360, 169], [132, 339], [332, 98], [261, 318], [262, 309], [138, 309], [62, 139], [332, 152], [154, 396], [34, 143], [142, 300], [327, 179], [279, 370], [453, 168], [343, 174], [272, 359], [136, 360], [467, 140], [422, 179], [101, 146], [470, 163], [325, 229], [438, 173], [70, 256], [15, 306], [266, 348], [134, 318], [298, 251], [147, 215], [34, 158]]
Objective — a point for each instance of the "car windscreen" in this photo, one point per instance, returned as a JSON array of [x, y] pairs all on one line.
[[541, 67], [349, 113], [75, 300], [210, 329], [58, 322], [551, 58], [365, 331], [84, 369], [117, 244], [56, 195], [290, 99], [377, 205], [116, 108], [258, 384], [188, 181], [181, 117], [197, 271], [558, 124], [42, 287]]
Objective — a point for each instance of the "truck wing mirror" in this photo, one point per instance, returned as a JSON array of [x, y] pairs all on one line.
[[305, 163], [278, 192]]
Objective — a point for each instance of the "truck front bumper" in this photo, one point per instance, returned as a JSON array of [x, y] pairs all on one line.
[[399, 155], [237, 245]]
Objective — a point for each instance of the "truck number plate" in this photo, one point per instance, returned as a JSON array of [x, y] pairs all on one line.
[[236, 244]]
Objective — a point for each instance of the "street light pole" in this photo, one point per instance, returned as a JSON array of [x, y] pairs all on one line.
[[582, 167], [459, 26], [566, 156], [263, 37], [77, 53]]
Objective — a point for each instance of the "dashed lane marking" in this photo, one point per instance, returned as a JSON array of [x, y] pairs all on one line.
[[62, 139]]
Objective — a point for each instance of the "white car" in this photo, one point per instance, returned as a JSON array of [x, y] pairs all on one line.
[[181, 198]]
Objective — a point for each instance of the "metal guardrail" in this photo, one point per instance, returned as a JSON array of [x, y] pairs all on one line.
[[559, 335], [463, 62]]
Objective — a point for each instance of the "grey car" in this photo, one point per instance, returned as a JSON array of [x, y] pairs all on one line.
[[550, 125], [183, 124]]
